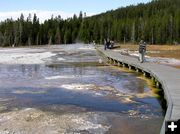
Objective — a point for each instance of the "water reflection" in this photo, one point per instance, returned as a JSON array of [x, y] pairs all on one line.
[[99, 88]]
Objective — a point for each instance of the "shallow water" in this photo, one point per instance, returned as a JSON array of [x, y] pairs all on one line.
[[73, 80]]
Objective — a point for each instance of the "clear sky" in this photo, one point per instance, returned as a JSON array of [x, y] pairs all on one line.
[[13, 8]]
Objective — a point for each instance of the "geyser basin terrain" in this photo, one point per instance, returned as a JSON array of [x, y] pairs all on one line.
[[64, 89]]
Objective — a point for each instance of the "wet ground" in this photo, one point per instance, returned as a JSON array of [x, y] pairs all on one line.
[[68, 89]]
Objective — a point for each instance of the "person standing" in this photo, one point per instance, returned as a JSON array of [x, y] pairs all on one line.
[[108, 43], [142, 50], [105, 44]]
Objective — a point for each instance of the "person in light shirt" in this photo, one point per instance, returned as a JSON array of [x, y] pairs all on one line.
[[142, 50]]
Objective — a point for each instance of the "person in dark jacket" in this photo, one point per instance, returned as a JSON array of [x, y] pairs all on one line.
[[108, 43], [142, 50]]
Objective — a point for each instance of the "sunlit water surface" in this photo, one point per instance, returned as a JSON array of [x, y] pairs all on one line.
[[74, 81]]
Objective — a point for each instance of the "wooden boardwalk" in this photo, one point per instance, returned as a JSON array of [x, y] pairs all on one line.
[[166, 77]]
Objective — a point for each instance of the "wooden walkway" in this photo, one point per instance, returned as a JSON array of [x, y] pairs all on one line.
[[166, 77]]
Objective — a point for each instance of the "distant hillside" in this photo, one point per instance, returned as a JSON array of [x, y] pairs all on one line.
[[157, 22]]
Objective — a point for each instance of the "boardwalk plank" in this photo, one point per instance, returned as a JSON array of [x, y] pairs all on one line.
[[168, 76]]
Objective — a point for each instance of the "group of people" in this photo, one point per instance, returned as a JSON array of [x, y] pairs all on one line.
[[108, 44]]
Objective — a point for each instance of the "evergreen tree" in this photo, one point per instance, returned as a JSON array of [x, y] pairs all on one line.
[[58, 36], [1, 38]]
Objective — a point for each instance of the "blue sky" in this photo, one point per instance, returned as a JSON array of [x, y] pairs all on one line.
[[65, 7]]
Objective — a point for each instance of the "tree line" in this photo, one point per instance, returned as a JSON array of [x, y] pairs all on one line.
[[29, 31], [157, 22]]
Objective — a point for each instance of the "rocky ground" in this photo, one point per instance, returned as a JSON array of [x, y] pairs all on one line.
[[34, 121], [77, 121]]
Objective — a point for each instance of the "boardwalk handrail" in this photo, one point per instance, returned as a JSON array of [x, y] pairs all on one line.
[[167, 76]]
